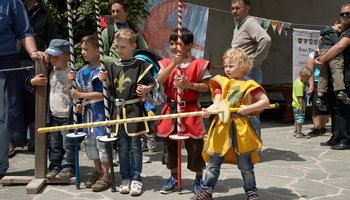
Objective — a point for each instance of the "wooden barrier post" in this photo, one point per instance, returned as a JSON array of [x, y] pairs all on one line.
[[40, 139]]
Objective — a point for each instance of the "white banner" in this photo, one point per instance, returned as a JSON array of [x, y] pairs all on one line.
[[304, 42], [162, 20]]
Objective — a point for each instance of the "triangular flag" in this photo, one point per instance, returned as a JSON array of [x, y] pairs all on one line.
[[274, 25], [286, 27], [266, 24], [280, 27]]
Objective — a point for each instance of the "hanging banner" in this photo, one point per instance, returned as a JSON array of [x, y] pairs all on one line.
[[162, 20], [303, 44]]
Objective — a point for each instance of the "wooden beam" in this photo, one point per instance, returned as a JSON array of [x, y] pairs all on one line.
[[40, 114]]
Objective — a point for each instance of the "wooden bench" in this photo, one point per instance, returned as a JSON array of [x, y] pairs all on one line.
[[286, 89]]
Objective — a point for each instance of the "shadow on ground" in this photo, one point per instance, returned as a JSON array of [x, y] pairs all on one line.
[[271, 154]]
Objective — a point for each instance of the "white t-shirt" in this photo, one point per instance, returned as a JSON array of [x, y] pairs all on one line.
[[59, 93]]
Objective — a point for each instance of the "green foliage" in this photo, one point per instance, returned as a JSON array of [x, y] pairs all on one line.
[[84, 18]]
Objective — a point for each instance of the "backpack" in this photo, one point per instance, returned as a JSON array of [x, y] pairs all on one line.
[[151, 57], [111, 32]]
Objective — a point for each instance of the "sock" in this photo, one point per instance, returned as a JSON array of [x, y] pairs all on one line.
[[174, 175]]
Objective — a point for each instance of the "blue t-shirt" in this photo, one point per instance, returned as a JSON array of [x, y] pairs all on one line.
[[14, 24], [316, 69]]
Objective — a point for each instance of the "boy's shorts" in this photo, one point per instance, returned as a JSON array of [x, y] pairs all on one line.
[[194, 149], [96, 149], [299, 117]]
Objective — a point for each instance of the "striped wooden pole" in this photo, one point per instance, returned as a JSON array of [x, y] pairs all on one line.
[[105, 97], [180, 136], [75, 135]]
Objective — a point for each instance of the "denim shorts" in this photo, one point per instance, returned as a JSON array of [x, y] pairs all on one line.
[[299, 117], [96, 149]]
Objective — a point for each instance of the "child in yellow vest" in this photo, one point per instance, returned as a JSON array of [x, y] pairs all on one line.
[[236, 141]]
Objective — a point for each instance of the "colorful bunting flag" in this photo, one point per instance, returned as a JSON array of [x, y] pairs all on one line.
[[274, 25], [280, 27]]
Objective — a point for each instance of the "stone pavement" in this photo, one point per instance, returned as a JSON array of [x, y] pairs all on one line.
[[291, 169]]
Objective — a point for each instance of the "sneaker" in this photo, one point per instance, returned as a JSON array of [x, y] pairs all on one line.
[[136, 188], [302, 135], [253, 197], [146, 159], [92, 179], [64, 175], [321, 105], [102, 184], [169, 186], [52, 174], [203, 195], [342, 96], [197, 185], [124, 188]]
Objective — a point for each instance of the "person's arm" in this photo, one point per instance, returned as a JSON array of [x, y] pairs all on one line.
[[261, 103], [82, 95], [30, 46], [334, 50], [214, 106], [202, 86], [263, 40], [165, 71], [310, 65], [301, 103]]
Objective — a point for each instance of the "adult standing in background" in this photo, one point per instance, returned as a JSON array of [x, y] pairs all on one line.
[[120, 10], [340, 139], [253, 39], [14, 24], [44, 30], [319, 118], [250, 36]]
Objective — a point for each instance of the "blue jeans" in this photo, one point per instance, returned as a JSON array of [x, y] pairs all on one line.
[[61, 148], [256, 75], [244, 164], [130, 155], [4, 136]]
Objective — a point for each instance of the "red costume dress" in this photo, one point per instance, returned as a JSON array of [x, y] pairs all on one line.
[[192, 126]]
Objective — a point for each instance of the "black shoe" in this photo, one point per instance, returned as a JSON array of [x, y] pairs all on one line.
[[315, 132], [330, 142], [2, 176], [323, 131], [321, 105], [340, 147], [342, 96]]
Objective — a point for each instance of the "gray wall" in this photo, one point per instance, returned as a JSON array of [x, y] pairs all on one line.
[[277, 68]]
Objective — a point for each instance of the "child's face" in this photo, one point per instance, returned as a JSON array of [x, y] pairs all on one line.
[[118, 13], [304, 78], [60, 62], [89, 52], [185, 48], [124, 48], [232, 70], [339, 28]]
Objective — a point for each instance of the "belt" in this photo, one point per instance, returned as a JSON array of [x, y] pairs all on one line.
[[122, 102], [183, 103]]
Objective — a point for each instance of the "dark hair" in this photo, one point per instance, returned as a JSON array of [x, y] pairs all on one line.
[[187, 36], [246, 2], [91, 39], [124, 3]]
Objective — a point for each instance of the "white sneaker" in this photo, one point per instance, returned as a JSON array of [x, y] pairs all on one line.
[[124, 188], [136, 188]]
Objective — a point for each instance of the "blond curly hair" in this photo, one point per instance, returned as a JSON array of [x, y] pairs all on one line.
[[238, 57]]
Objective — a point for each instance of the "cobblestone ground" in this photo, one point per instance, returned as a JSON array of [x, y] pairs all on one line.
[[290, 169]]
